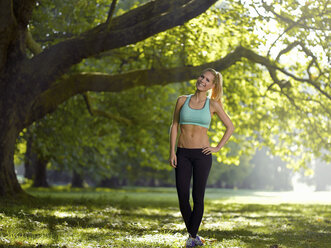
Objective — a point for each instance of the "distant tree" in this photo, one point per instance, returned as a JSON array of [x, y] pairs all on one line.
[[320, 178], [269, 173], [229, 175]]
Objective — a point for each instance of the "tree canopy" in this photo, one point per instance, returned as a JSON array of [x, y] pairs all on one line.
[[273, 57]]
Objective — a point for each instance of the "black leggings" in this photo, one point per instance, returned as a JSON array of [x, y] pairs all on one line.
[[189, 160]]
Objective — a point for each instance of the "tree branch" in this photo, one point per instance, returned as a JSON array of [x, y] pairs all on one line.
[[287, 49], [32, 45], [271, 46], [290, 21], [311, 82], [314, 61], [52, 37], [300, 111], [146, 12], [98, 82], [56, 60], [88, 104], [111, 12], [98, 112]]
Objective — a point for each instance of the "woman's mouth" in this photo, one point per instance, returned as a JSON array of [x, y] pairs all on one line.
[[201, 84]]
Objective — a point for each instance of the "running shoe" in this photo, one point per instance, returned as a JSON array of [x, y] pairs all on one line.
[[190, 242], [198, 241]]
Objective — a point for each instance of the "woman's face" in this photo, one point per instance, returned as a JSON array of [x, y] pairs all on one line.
[[205, 81]]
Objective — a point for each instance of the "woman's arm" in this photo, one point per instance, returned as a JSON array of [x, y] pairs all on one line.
[[218, 109], [174, 131]]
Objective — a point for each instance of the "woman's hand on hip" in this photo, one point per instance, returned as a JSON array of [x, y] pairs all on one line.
[[173, 160], [209, 150]]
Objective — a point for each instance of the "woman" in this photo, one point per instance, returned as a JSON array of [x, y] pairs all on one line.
[[194, 154]]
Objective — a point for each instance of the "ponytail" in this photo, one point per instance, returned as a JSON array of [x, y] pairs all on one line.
[[217, 91]]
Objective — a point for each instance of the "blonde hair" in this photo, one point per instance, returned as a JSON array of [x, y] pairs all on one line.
[[217, 91]]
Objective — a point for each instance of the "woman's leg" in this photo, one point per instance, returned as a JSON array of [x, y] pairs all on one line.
[[201, 168], [183, 178]]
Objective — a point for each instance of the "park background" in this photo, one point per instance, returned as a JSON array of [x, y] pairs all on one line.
[[87, 96]]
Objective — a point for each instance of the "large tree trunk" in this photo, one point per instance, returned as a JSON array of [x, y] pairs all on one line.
[[9, 185], [15, 97]]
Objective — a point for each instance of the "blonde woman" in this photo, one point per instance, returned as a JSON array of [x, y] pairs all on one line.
[[193, 155]]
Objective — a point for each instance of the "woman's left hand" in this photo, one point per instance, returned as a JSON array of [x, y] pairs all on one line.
[[208, 150]]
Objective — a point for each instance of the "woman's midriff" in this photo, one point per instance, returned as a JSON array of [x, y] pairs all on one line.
[[193, 136]]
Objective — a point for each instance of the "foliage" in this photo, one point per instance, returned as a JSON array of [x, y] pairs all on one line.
[[293, 121], [92, 144], [66, 19], [172, 48], [101, 147], [70, 138], [229, 176], [149, 217], [295, 37]]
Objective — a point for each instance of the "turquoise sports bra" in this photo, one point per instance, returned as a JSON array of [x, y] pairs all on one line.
[[200, 117]]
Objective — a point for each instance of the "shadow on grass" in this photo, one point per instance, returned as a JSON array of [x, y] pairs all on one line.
[[125, 216]]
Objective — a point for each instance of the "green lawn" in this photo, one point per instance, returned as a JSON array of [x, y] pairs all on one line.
[[149, 217]]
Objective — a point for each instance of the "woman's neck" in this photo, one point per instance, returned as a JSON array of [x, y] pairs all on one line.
[[200, 96]]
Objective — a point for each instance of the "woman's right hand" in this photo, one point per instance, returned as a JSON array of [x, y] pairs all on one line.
[[173, 160]]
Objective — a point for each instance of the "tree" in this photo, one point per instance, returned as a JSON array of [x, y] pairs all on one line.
[[320, 178], [28, 87], [34, 84], [269, 173]]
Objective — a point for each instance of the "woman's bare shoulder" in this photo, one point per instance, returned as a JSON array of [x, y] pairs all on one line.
[[216, 105], [181, 99]]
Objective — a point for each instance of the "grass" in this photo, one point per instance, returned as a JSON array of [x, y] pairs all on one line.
[[149, 217]]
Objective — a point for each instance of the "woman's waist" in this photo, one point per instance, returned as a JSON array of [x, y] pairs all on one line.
[[194, 136], [193, 140]]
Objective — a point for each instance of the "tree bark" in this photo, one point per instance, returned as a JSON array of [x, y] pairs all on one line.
[[40, 179], [77, 180], [9, 185], [30, 159], [13, 111], [112, 182]]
